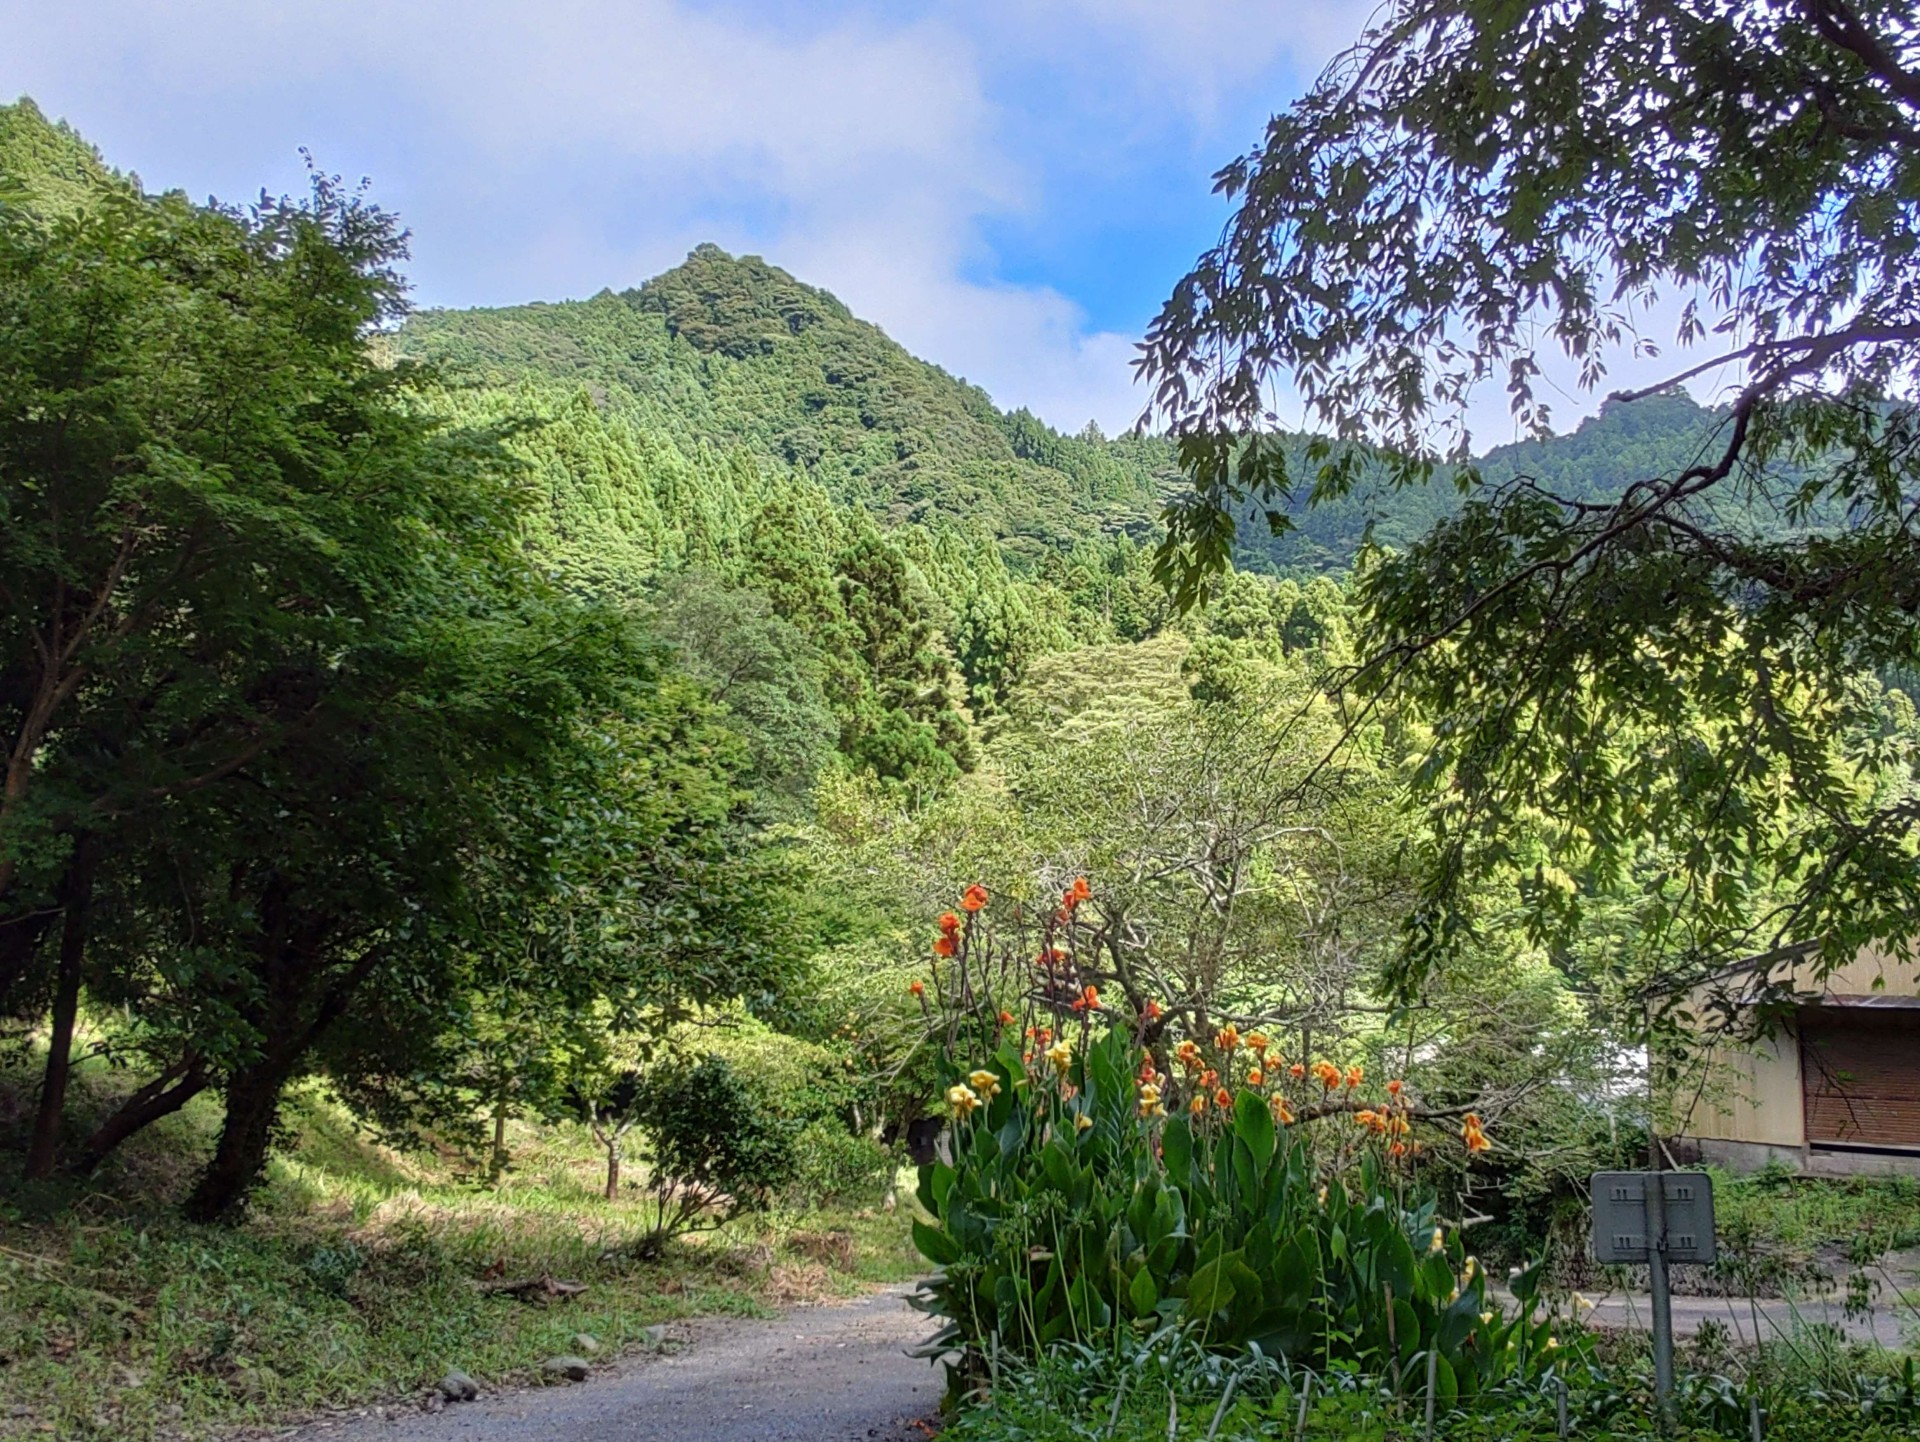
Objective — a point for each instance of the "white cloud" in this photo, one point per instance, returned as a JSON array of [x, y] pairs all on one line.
[[542, 151]]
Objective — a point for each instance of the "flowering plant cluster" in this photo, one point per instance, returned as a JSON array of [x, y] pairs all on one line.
[[1099, 1175], [1059, 1004]]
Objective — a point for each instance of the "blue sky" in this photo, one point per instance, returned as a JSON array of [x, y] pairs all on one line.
[[1008, 188]]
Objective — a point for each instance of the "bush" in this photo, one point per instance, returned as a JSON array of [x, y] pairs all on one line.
[[716, 1149], [833, 1165], [1069, 1216]]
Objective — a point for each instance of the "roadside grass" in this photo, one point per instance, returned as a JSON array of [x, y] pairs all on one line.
[[356, 1280], [1174, 1392], [1866, 1215]]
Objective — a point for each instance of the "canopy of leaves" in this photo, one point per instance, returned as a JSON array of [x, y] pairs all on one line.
[[1477, 184]]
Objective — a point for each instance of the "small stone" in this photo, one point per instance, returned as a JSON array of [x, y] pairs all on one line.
[[586, 1344], [566, 1369], [457, 1386], [433, 1402], [656, 1335]]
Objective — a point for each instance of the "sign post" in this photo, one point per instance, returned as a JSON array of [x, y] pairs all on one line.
[[1657, 1218]]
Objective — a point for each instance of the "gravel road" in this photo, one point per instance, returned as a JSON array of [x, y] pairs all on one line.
[[818, 1374]]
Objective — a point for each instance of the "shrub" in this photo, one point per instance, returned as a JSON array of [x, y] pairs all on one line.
[[1066, 1216], [1273, 1211], [716, 1149], [832, 1164]]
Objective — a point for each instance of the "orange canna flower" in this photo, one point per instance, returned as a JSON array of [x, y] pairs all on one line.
[[1153, 1012], [1282, 1113], [1006, 1018], [1398, 1149], [1327, 1073], [1209, 1079], [917, 987], [1197, 1105], [1355, 1076], [974, 898], [1223, 1099], [949, 923], [1080, 891], [943, 946], [1257, 1043], [1297, 1070], [1395, 1087], [1473, 1134], [1256, 1077], [1227, 1038]]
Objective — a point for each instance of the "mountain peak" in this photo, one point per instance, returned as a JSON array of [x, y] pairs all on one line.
[[47, 159], [739, 306]]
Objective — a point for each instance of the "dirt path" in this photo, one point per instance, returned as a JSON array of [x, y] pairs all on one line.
[[820, 1374]]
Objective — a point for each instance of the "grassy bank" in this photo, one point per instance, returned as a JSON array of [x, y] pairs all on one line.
[[360, 1278]]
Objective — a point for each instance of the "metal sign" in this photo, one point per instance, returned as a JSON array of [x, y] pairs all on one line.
[[1622, 1230]]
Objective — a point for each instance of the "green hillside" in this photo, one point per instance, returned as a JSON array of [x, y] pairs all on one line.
[[731, 356], [733, 353]]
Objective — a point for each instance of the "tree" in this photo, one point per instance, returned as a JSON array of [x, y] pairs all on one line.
[[1476, 185]]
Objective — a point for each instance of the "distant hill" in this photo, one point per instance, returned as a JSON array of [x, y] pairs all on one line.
[[1597, 461], [48, 162], [734, 354], [663, 402], [731, 352]]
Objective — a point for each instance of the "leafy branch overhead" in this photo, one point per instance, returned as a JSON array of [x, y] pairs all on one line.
[[1478, 195]]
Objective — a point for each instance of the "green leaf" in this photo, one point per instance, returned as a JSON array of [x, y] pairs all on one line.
[[1253, 1125], [1142, 1295], [935, 1245]]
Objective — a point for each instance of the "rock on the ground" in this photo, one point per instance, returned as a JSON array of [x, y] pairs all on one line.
[[656, 1335], [457, 1386], [586, 1344], [566, 1369]]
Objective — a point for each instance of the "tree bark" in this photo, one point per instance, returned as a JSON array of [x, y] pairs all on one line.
[[497, 1163], [253, 1106], [613, 1168], [19, 943], [44, 1147], [161, 1097]]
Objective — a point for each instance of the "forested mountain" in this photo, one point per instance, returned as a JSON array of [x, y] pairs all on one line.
[[731, 362], [735, 354]]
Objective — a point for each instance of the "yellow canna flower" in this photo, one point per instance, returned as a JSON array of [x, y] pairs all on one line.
[[962, 1100], [1438, 1244], [1486, 1319], [985, 1082], [1082, 1122], [1061, 1055]]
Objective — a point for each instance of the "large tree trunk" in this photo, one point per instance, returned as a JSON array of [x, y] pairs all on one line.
[[253, 1106], [66, 1008], [19, 942], [161, 1097]]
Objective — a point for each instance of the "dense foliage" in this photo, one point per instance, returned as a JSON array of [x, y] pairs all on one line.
[[1475, 187], [307, 768]]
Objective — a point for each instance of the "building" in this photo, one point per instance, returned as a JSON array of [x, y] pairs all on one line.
[[1834, 1090]]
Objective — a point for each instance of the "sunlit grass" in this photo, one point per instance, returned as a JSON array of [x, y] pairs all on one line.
[[356, 1281]]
